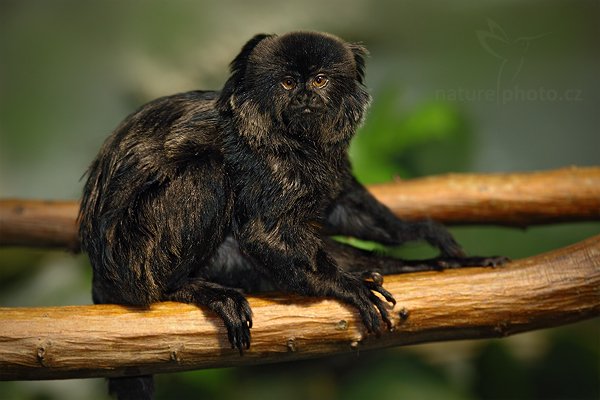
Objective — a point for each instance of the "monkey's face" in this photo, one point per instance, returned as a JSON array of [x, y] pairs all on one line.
[[304, 84]]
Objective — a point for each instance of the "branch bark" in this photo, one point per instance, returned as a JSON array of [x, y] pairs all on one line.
[[39, 223], [519, 199], [87, 341]]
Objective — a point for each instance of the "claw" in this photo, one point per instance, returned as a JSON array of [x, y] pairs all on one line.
[[387, 295], [372, 276], [389, 323]]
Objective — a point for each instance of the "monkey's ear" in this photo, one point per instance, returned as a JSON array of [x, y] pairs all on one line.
[[238, 71], [360, 53], [239, 62]]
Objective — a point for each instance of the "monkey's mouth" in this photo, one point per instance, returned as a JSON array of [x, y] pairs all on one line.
[[303, 117], [306, 110]]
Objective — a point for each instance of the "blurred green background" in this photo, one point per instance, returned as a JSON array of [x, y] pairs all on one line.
[[458, 86]]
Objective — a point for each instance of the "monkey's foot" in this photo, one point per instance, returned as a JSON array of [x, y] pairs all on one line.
[[389, 266], [459, 262]]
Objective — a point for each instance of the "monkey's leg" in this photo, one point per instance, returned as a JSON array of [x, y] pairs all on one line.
[[357, 213], [149, 248], [229, 267], [161, 247]]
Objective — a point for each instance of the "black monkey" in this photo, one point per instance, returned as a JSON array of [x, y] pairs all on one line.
[[205, 189]]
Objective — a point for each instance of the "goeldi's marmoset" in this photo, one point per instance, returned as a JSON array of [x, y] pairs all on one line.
[[199, 193]]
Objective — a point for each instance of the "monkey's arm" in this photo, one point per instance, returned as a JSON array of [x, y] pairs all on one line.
[[293, 256]]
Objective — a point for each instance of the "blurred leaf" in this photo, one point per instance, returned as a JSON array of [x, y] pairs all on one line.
[[401, 376], [207, 383], [498, 375], [571, 367], [17, 264], [432, 138]]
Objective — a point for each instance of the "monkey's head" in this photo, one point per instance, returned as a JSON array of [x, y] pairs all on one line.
[[300, 86]]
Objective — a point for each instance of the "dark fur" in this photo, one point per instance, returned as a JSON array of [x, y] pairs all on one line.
[[242, 188]]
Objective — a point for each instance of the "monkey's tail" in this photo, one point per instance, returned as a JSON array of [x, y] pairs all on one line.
[[132, 388]]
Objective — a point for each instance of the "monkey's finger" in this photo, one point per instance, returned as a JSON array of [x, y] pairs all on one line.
[[382, 311], [246, 315], [370, 319], [246, 332], [243, 332], [381, 290], [240, 346], [495, 261], [241, 339]]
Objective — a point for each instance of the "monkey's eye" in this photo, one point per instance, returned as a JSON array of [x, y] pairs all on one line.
[[320, 81], [288, 83]]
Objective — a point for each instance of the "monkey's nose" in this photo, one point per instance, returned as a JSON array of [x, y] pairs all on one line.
[[305, 101]]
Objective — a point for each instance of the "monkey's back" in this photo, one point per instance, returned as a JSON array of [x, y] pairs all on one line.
[[157, 201]]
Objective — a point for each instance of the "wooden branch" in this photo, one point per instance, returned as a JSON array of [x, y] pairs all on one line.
[[38, 223], [519, 199], [551, 289]]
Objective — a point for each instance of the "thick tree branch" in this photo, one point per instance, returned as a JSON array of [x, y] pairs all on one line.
[[519, 199], [84, 341], [39, 223]]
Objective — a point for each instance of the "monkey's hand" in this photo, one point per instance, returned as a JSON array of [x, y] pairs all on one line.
[[227, 303], [358, 290]]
